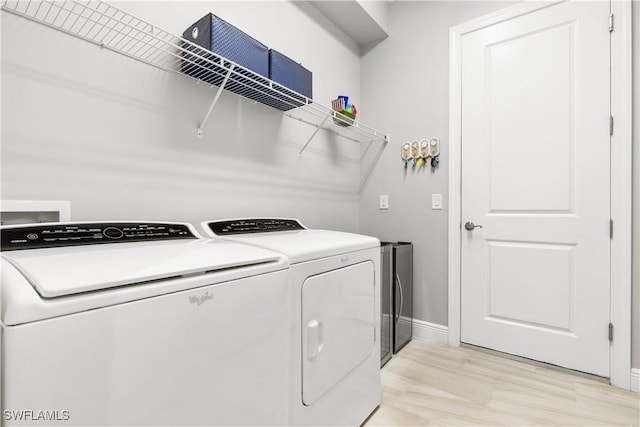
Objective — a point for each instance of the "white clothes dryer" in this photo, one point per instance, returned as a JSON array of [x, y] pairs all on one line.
[[335, 327], [141, 323]]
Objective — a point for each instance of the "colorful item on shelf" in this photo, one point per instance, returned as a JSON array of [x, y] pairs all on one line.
[[345, 113], [337, 104], [343, 118]]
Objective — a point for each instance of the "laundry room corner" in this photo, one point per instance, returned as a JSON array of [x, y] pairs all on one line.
[[405, 80]]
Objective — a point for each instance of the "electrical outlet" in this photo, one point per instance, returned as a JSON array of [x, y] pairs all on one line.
[[384, 201], [436, 201]]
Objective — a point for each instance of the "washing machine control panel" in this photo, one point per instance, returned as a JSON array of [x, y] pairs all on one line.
[[56, 235], [253, 225]]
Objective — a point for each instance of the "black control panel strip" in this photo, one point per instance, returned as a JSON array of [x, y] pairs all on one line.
[[58, 235], [253, 225]]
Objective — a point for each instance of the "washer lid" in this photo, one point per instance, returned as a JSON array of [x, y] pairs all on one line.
[[299, 245], [58, 272]]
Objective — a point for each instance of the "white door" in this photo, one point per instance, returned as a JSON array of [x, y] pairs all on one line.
[[535, 176]]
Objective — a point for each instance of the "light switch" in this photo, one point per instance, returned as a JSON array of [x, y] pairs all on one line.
[[384, 201], [436, 201]]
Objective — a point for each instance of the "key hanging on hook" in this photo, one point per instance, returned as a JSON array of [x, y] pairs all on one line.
[[405, 153], [434, 151], [415, 151], [435, 161], [424, 151]]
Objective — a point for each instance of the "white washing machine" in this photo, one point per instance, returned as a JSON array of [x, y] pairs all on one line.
[[141, 324], [335, 328]]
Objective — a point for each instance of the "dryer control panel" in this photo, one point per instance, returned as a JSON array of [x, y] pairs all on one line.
[[74, 234], [254, 225]]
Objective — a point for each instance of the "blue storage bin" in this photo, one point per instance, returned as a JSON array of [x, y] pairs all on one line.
[[288, 73], [218, 36]]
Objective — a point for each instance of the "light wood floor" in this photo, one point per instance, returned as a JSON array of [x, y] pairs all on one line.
[[435, 384]]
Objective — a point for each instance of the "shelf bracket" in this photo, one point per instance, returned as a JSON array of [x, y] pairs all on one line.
[[215, 100], [311, 137], [375, 161], [366, 150]]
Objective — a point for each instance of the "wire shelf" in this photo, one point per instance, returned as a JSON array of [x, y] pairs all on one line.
[[111, 28]]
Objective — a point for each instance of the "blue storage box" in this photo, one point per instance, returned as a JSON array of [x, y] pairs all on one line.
[[288, 73], [218, 36]]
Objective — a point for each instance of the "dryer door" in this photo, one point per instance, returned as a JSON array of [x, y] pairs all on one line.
[[338, 326]]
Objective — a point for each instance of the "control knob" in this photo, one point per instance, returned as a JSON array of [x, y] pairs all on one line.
[[113, 232]]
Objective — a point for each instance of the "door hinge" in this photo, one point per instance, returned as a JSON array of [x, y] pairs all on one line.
[[610, 22], [610, 125], [610, 332], [611, 229]]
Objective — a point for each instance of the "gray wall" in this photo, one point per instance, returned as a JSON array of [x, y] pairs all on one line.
[[118, 138], [405, 82], [407, 95]]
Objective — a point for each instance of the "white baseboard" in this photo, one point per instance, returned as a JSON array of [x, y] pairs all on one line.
[[426, 331], [635, 380]]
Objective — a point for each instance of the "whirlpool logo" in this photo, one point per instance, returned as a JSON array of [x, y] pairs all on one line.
[[200, 299]]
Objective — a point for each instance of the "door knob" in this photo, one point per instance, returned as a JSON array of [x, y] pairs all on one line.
[[470, 226]]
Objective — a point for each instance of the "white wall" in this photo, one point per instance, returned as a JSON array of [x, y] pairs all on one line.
[[118, 138]]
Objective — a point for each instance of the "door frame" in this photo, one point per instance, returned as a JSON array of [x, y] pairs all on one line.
[[621, 177]]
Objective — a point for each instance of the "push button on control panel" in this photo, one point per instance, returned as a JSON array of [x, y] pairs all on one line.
[[113, 232]]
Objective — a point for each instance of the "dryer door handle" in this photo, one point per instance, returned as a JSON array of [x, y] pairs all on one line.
[[315, 339]]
